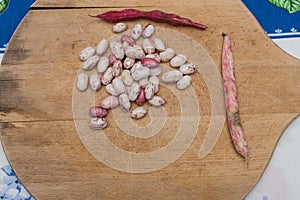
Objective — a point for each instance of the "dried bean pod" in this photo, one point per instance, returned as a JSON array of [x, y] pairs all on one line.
[[136, 31], [128, 39], [148, 46], [149, 91], [124, 102], [184, 82], [148, 31], [98, 123], [108, 76], [102, 47], [158, 44], [117, 67], [172, 76], [119, 27], [178, 60], [150, 62], [110, 102], [231, 101], [188, 68], [133, 91], [140, 73], [141, 98], [103, 64], [95, 82], [138, 113], [167, 55], [135, 52], [128, 62], [117, 49], [82, 81], [86, 53], [90, 63], [97, 111], [156, 101]]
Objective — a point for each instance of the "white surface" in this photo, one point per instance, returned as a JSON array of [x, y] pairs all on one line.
[[290, 45], [281, 180]]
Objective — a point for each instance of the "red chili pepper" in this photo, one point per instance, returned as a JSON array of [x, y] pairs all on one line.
[[154, 15]]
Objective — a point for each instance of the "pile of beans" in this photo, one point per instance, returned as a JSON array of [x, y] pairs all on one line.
[[131, 72]]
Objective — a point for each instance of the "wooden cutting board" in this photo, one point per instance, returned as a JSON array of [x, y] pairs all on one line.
[[44, 124]]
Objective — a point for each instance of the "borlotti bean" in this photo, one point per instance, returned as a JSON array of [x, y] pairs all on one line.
[[172, 76], [129, 40], [156, 101], [117, 67], [136, 65], [95, 82], [140, 73], [128, 62], [103, 64], [141, 98], [148, 46], [98, 123], [117, 49], [111, 90], [143, 82], [135, 52], [155, 81], [167, 54], [119, 27], [108, 76], [188, 68], [155, 71], [82, 81], [138, 113], [110, 102], [112, 58], [130, 72], [126, 77], [158, 44], [133, 91], [118, 85], [147, 31], [102, 47], [150, 62], [97, 111], [86, 53], [149, 91], [184, 82], [155, 56], [124, 102], [90, 63], [136, 31], [178, 60]]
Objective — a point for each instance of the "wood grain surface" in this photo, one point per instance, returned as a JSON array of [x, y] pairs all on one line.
[[38, 129]]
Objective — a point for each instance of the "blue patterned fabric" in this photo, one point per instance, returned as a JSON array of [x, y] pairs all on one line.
[[10, 18], [277, 22]]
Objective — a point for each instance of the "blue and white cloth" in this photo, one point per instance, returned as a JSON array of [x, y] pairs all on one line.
[[10, 18], [278, 181]]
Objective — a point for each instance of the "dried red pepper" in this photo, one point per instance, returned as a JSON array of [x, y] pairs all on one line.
[[232, 108], [154, 15]]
